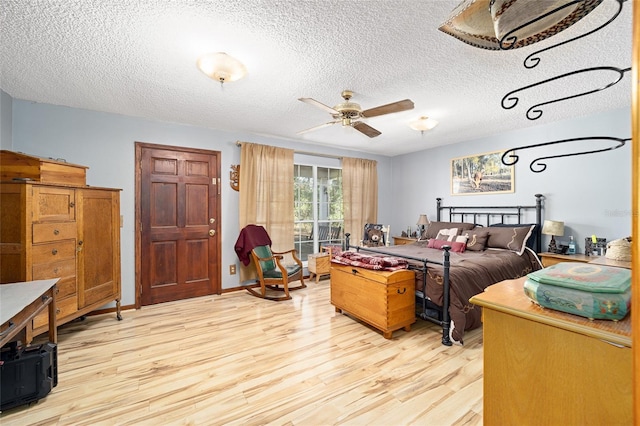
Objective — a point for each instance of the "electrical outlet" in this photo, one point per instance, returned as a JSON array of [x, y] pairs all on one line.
[[232, 269]]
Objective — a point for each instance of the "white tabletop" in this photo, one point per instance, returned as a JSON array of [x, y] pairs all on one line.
[[17, 296]]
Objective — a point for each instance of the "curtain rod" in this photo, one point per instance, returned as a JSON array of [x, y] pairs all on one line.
[[317, 154]]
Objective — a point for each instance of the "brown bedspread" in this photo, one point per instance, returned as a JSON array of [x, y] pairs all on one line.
[[470, 273]]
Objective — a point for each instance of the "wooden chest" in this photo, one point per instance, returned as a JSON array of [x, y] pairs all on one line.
[[382, 299], [23, 167]]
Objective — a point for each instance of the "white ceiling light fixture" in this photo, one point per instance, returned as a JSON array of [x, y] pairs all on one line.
[[221, 67], [423, 123]]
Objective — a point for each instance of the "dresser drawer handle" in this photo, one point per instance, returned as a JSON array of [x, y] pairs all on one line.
[[72, 204], [404, 290], [56, 232], [354, 271], [54, 252]]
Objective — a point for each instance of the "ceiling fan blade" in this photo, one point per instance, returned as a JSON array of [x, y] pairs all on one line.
[[320, 105], [404, 105], [366, 129], [318, 127]]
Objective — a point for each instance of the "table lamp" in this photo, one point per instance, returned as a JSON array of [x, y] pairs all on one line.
[[422, 221], [553, 228]]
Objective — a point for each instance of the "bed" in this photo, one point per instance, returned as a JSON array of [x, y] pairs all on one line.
[[500, 244]]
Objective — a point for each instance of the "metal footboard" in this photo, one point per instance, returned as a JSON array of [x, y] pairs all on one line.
[[445, 323]]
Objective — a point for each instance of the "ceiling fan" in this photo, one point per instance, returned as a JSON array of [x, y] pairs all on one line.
[[348, 113]]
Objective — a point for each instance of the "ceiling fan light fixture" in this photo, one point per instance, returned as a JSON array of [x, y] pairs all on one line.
[[221, 67], [423, 124]]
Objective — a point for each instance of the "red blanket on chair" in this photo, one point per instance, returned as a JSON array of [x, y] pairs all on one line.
[[250, 237]]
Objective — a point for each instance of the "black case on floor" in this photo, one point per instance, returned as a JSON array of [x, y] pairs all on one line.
[[27, 374]]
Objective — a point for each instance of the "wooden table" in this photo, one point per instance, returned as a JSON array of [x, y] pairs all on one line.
[[319, 264], [397, 241], [548, 367], [21, 302], [549, 259]]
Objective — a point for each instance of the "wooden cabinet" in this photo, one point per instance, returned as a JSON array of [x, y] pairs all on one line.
[[71, 233], [382, 299], [548, 367]]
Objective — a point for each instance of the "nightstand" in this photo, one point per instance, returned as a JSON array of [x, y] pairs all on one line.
[[319, 264], [398, 241], [549, 259]]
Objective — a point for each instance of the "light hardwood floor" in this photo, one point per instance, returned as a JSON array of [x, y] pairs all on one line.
[[237, 359]]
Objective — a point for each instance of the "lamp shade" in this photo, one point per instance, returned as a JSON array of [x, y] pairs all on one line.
[[553, 227], [221, 67], [484, 23], [423, 220]]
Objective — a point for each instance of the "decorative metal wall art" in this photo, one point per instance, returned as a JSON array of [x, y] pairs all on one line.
[[533, 113], [509, 158], [509, 101], [509, 40], [234, 177]]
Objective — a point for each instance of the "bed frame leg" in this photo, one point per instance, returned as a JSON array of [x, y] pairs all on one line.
[[446, 321]]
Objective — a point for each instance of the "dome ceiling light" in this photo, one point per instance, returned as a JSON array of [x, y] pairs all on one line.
[[221, 67]]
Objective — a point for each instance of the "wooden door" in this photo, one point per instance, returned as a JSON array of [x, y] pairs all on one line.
[[178, 207], [98, 246]]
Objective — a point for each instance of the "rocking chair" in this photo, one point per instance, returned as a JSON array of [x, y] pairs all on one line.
[[274, 274]]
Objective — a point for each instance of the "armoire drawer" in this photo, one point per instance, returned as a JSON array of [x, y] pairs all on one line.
[[46, 232], [65, 270], [53, 252], [64, 308], [53, 204]]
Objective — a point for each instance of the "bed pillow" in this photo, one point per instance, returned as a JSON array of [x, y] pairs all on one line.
[[447, 234], [456, 246], [533, 239], [512, 238], [434, 227], [476, 239]]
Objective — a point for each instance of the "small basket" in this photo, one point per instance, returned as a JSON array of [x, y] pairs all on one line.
[[619, 250]]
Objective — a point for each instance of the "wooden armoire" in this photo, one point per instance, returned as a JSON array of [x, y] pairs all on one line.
[[52, 225]]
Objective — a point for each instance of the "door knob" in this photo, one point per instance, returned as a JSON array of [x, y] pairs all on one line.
[[212, 232]]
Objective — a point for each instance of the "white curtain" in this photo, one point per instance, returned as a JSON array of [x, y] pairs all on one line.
[[266, 195], [360, 195]]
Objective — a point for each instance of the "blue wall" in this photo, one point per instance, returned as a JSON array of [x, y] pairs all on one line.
[[591, 194], [105, 143], [6, 118]]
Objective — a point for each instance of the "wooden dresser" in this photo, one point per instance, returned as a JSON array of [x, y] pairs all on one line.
[[382, 299], [54, 227], [543, 366]]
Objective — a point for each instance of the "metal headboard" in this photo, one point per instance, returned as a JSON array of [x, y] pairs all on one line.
[[464, 213]]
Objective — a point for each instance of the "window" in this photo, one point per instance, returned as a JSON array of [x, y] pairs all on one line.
[[318, 208]]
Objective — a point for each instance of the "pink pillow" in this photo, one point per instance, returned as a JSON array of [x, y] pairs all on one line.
[[456, 246]]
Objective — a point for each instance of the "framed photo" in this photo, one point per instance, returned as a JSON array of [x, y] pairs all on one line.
[[481, 174]]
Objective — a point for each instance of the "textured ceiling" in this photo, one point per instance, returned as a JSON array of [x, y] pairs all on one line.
[[138, 58]]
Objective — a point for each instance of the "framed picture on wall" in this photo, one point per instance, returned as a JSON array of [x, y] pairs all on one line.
[[481, 174]]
